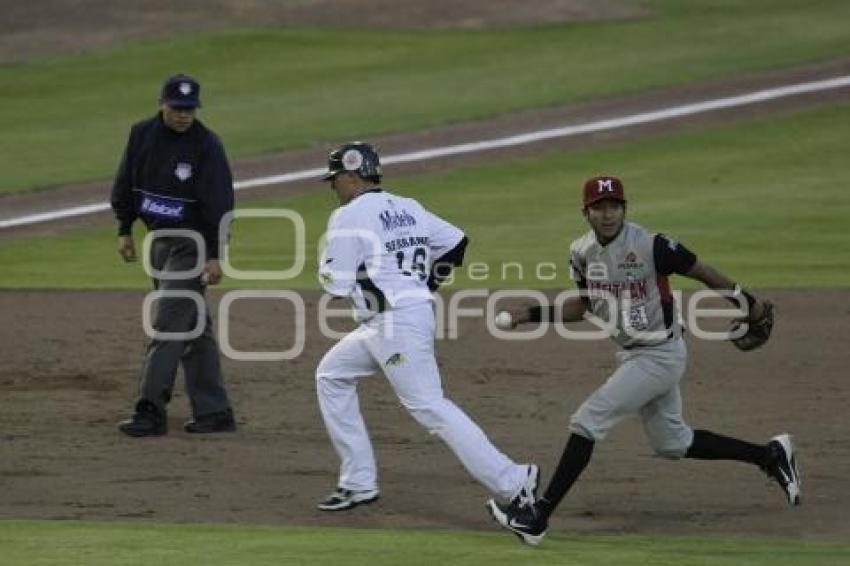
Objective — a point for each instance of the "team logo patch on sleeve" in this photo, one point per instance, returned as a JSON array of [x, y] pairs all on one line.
[[183, 171], [671, 243]]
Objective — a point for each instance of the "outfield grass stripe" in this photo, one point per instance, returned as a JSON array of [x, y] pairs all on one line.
[[626, 121], [119, 543], [762, 199], [756, 97]]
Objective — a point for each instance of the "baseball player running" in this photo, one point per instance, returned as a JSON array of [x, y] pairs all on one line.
[[620, 265], [387, 254]]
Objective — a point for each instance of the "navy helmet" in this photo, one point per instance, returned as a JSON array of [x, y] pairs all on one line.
[[357, 157]]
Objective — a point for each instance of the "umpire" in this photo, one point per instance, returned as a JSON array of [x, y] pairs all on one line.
[[174, 174]]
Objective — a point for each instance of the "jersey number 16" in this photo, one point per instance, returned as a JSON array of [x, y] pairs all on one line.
[[417, 263]]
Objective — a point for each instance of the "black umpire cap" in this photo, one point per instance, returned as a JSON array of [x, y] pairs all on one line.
[[181, 91]]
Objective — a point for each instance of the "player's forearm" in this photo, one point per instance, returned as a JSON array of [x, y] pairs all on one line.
[[572, 310], [713, 279], [710, 277]]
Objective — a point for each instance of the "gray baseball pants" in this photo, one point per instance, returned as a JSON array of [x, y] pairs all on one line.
[[199, 357], [647, 383]]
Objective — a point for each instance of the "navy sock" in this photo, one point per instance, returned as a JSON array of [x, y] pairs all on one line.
[[710, 446], [573, 462]]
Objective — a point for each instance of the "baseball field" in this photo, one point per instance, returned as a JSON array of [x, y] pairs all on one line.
[[759, 191]]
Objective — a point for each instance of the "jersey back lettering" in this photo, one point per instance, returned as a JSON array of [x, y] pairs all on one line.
[[379, 251]]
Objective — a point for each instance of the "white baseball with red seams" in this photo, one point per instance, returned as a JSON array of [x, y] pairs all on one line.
[[504, 320]]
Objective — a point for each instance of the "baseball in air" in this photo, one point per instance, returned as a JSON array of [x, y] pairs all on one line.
[[504, 320]]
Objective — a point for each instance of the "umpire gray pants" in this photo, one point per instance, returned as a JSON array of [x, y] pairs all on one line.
[[199, 357]]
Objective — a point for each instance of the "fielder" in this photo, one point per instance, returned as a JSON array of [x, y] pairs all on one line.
[[387, 254], [621, 265]]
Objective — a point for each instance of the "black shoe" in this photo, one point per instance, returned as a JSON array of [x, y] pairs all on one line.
[[525, 521], [148, 420], [781, 466], [342, 499], [221, 421]]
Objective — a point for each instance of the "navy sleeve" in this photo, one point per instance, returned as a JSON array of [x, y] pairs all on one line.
[[578, 275], [442, 268], [215, 193], [577, 272], [121, 198], [671, 256]]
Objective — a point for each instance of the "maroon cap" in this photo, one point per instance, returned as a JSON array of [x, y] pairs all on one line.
[[599, 188]]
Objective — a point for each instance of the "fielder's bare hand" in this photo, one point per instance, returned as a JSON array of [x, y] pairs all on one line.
[[519, 315], [126, 248]]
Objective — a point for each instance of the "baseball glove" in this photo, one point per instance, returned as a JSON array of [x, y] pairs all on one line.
[[758, 329]]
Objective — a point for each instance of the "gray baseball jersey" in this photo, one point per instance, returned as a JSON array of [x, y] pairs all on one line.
[[629, 275], [631, 272]]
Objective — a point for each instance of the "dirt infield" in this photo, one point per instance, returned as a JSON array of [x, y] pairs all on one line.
[[70, 360], [70, 364]]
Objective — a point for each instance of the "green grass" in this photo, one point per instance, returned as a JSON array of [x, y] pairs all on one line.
[[43, 543], [765, 201], [65, 119]]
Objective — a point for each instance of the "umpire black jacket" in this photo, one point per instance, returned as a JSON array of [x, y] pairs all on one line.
[[173, 180]]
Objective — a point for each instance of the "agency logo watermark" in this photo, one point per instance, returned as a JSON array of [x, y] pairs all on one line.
[[349, 261]]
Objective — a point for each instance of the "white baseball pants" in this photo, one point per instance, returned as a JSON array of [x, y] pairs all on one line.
[[401, 343]]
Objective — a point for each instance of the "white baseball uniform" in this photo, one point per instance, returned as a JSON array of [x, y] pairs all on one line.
[[379, 253]]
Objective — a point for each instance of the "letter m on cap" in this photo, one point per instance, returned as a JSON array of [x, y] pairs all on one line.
[[605, 186]]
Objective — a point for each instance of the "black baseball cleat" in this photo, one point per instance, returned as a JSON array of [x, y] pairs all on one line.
[[781, 466], [147, 420], [342, 499], [221, 421], [525, 521]]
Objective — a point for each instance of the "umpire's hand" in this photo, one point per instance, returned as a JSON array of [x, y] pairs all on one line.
[[126, 248], [212, 272]]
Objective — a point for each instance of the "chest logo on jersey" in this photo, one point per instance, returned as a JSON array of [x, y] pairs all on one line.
[[183, 171], [393, 220], [162, 207], [630, 262]]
